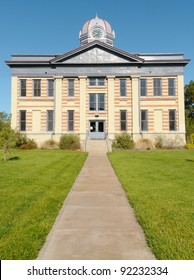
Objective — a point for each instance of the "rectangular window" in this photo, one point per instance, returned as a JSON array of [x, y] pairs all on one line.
[[171, 87], [92, 102], [123, 120], [97, 102], [37, 88], [50, 120], [144, 120], [143, 87], [96, 81], [50, 87], [157, 87], [172, 120], [100, 102], [22, 87], [123, 87], [70, 87], [70, 120], [22, 120]]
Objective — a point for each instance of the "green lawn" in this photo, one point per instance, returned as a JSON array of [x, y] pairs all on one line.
[[33, 186], [160, 187]]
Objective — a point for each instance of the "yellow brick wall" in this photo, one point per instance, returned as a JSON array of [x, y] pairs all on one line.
[[149, 102], [163, 102]]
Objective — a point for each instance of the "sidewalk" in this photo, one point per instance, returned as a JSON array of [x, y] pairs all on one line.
[[96, 221]]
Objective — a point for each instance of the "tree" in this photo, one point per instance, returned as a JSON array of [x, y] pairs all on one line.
[[4, 117], [7, 134], [189, 100], [189, 125]]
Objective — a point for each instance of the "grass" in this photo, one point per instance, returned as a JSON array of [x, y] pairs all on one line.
[[160, 188], [33, 187]]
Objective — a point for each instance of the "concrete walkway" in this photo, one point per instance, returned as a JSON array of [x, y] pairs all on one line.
[[96, 221]]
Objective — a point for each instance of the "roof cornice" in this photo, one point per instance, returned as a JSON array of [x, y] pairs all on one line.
[[168, 61], [131, 59]]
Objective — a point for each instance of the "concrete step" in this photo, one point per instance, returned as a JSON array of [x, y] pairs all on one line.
[[96, 146]]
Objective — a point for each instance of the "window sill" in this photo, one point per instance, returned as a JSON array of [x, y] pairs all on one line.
[[97, 111], [96, 86]]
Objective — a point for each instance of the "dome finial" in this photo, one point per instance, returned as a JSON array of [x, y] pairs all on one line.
[[96, 16]]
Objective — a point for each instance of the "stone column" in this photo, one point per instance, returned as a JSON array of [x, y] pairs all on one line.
[[135, 107], [14, 82], [111, 107], [58, 105], [83, 128]]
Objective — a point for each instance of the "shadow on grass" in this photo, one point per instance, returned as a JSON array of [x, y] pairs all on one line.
[[14, 158], [191, 160]]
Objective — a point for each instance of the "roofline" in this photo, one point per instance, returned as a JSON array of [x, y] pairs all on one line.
[[136, 54], [137, 59], [24, 62], [159, 54], [172, 61], [34, 55], [97, 43], [147, 63]]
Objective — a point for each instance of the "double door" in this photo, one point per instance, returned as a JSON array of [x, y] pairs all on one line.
[[97, 129]]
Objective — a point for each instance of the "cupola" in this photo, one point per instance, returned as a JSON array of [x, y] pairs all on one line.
[[97, 29]]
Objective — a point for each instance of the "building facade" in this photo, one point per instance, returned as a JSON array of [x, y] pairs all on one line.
[[98, 91]]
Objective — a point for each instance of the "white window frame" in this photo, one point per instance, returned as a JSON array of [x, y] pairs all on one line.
[[123, 88], [172, 121], [22, 121], [50, 121], [36, 89], [70, 121], [144, 122], [157, 85], [71, 87], [97, 101], [96, 82], [123, 121], [171, 89], [143, 89], [50, 90], [23, 88]]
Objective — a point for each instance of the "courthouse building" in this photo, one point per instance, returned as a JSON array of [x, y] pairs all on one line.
[[98, 90]]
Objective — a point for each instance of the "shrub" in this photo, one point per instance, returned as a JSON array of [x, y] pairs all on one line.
[[189, 146], [24, 143], [50, 145], [29, 145], [159, 141], [189, 124], [21, 139], [69, 142], [162, 141], [144, 144], [123, 141], [191, 138]]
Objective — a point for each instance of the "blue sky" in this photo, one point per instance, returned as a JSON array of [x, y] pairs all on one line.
[[52, 27]]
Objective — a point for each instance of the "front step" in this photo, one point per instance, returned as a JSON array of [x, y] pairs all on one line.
[[96, 146]]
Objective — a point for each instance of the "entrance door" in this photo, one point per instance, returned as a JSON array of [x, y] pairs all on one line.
[[97, 129]]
